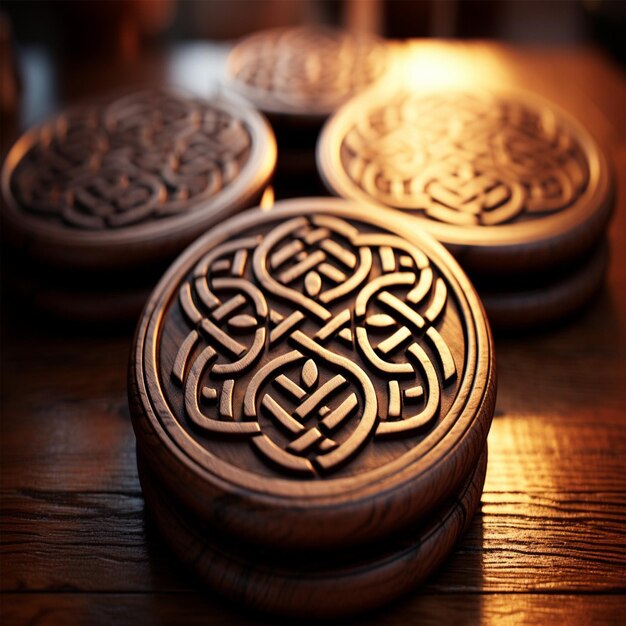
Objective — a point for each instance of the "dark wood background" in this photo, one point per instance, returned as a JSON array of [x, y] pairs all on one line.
[[547, 546]]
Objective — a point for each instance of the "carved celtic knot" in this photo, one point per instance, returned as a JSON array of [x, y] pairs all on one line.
[[465, 159], [311, 340], [301, 66], [140, 157]]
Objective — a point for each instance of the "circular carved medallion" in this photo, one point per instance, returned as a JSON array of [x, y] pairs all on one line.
[[150, 170], [304, 71], [312, 375], [504, 178]]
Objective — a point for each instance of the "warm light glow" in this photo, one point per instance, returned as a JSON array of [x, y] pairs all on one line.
[[267, 201], [427, 65], [511, 443]]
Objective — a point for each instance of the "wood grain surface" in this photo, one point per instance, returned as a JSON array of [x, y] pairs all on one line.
[[547, 546]]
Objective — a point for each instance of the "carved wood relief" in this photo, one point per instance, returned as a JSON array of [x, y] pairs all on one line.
[[137, 158], [371, 292], [305, 70], [467, 159]]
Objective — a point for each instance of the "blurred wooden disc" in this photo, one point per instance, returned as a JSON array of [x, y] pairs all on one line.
[[507, 181], [132, 180], [313, 584], [304, 72], [312, 376]]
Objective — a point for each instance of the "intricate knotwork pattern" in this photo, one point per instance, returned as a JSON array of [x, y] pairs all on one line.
[[312, 339], [462, 159], [140, 157], [304, 66]]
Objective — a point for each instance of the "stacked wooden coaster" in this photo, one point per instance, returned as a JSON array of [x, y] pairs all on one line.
[[311, 390], [97, 201], [514, 187], [297, 77]]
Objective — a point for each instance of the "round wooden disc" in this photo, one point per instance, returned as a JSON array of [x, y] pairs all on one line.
[[506, 181], [305, 72], [311, 376], [314, 584], [542, 305], [134, 179]]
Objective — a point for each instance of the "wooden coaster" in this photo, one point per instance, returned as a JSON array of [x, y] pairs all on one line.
[[312, 376], [126, 182], [313, 584], [529, 307], [305, 72], [508, 182]]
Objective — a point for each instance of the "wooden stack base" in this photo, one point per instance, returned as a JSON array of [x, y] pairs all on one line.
[[85, 307], [550, 299], [63, 294], [320, 584]]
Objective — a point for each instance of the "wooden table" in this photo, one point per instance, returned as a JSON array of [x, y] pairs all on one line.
[[548, 545]]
